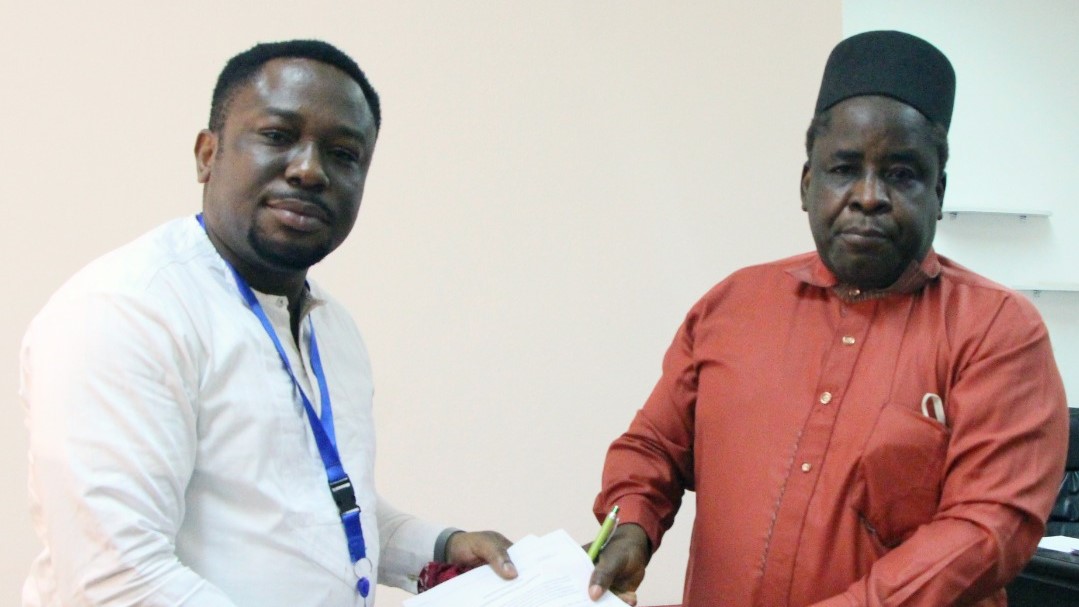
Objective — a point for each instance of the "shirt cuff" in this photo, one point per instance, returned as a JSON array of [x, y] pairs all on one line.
[[407, 544], [440, 544]]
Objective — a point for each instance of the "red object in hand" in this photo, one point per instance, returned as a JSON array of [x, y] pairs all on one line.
[[434, 574]]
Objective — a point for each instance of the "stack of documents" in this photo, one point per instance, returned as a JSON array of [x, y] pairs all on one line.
[[552, 571], [1060, 543]]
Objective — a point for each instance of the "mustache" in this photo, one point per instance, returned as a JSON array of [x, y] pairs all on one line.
[[865, 229]]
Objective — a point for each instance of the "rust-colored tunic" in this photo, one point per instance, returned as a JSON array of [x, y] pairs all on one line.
[[792, 406]]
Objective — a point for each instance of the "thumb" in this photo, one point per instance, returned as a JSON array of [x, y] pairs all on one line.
[[494, 552], [475, 548], [502, 565], [602, 578]]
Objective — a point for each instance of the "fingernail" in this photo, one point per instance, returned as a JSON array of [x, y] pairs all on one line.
[[595, 591], [509, 567]]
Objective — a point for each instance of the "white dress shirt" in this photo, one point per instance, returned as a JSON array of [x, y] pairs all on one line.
[[171, 461]]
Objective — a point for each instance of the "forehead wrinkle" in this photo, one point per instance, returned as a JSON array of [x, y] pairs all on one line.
[[911, 155], [895, 141]]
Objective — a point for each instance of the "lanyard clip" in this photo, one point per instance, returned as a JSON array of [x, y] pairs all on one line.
[[343, 495]]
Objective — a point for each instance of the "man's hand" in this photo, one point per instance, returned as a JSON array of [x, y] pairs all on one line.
[[621, 564], [472, 549]]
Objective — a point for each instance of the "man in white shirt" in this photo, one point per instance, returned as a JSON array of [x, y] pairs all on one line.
[[199, 412]]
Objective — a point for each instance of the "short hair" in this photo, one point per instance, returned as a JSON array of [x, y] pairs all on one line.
[[938, 135], [242, 68]]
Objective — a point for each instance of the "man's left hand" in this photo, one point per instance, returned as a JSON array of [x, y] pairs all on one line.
[[472, 549]]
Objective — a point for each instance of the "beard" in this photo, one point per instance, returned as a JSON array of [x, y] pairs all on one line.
[[867, 269], [287, 256]]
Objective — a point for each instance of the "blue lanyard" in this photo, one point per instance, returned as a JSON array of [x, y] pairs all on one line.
[[322, 427]]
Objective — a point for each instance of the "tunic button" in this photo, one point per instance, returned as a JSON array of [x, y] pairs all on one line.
[[848, 340], [806, 467], [825, 398], [856, 292]]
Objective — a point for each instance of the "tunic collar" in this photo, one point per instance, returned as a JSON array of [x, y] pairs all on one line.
[[917, 274]]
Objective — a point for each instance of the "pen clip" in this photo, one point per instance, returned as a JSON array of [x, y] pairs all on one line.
[[611, 534]]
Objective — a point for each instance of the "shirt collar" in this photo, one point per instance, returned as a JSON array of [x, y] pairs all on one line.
[[814, 272], [310, 299], [309, 302]]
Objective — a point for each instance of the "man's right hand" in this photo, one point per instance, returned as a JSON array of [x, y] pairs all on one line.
[[621, 564]]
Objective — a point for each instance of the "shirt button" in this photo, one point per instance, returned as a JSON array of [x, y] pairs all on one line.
[[848, 340], [825, 398], [806, 467]]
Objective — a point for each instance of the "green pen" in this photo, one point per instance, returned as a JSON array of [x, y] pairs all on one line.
[[604, 534]]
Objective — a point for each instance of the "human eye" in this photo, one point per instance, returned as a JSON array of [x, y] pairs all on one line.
[[346, 154], [349, 151], [275, 135], [901, 174], [842, 169]]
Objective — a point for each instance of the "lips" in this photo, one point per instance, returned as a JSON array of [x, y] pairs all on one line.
[[300, 212], [863, 235]]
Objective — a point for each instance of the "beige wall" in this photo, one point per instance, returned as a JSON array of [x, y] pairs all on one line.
[[555, 183]]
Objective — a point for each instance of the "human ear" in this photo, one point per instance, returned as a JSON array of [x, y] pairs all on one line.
[[205, 149], [942, 183], [805, 184]]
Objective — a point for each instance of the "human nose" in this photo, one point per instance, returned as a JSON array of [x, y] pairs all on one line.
[[870, 195], [305, 168]]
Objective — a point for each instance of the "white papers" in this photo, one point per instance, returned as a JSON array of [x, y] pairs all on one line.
[[552, 571], [1060, 543]]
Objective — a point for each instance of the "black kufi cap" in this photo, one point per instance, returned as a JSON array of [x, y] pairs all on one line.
[[892, 64]]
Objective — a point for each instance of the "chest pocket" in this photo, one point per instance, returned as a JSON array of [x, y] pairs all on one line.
[[900, 474]]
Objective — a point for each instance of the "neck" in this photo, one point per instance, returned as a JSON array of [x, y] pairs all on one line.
[[911, 279], [290, 283]]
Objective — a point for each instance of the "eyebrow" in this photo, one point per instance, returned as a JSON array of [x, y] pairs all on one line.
[[344, 129], [848, 155], [909, 156]]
